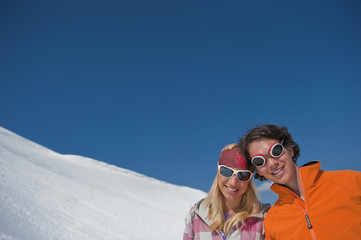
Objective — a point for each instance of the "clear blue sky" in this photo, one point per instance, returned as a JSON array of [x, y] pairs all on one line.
[[159, 87]]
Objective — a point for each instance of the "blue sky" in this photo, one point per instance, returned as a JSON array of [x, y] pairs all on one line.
[[159, 87]]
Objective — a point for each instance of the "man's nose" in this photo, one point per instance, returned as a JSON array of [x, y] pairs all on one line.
[[272, 163]]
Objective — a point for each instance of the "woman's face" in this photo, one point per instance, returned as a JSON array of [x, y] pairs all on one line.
[[281, 169], [232, 188]]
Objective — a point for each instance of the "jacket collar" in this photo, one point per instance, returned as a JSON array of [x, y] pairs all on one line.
[[309, 173], [202, 210]]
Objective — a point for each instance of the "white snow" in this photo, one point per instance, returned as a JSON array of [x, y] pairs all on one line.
[[46, 195]]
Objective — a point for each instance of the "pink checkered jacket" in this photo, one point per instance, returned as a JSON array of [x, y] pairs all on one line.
[[197, 226]]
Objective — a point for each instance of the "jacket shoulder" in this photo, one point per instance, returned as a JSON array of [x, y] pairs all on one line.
[[342, 176], [347, 179], [193, 210]]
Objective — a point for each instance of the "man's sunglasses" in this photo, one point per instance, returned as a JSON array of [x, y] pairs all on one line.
[[242, 175], [276, 150]]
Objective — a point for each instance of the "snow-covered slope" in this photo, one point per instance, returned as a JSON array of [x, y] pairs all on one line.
[[45, 195]]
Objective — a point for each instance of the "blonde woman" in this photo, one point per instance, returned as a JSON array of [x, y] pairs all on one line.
[[231, 209]]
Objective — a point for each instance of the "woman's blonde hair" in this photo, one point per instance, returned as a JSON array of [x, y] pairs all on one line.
[[216, 203]]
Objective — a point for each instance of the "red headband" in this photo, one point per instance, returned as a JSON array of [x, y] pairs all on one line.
[[232, 158]]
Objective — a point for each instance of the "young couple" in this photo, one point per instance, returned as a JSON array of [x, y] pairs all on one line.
[[312, 204]]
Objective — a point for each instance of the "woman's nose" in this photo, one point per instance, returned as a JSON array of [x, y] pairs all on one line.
[[233, 179]]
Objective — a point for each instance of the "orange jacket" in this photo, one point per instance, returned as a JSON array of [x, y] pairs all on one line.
[[331, 210]]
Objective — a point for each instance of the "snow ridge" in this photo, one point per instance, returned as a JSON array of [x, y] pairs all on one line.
[[46, 195]]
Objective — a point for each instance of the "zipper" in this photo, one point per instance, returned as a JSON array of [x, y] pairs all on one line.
[[304, 210], [309, 225]]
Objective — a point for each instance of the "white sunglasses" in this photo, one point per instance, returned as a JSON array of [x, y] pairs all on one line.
[[276, 151], [242, 175]]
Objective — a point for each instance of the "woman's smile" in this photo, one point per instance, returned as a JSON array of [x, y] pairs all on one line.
[[232, 189]]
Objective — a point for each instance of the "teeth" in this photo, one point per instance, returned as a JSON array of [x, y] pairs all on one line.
[[231, 189], [276, 172]]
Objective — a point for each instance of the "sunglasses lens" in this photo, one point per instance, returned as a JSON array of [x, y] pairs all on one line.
[[244, 176], [226, 172], [258, 161], [277, 150]]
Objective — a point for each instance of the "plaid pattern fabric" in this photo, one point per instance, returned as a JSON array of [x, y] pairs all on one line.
[[197, 226]]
